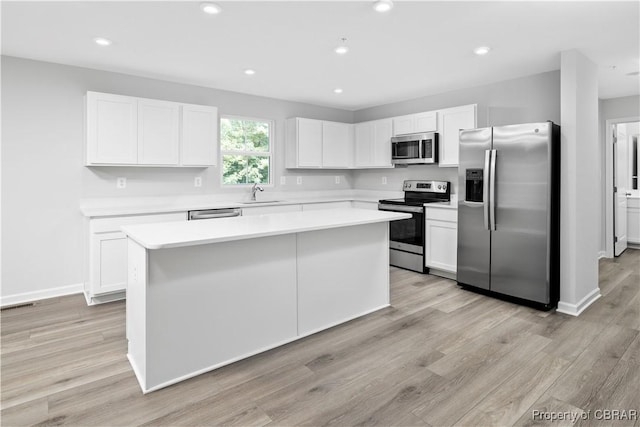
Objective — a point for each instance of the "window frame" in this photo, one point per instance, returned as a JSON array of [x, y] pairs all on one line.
[[269, 153]]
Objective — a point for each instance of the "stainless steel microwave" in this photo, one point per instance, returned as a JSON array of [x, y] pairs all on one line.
[[415, 148]]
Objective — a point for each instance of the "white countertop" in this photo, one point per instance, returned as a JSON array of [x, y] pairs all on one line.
[[189, 233], [119, 206]]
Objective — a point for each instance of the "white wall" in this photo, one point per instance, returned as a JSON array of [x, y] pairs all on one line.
[[43, 177], [528, 99], [580, 158]]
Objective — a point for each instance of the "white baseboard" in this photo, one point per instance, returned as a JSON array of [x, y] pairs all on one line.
[[602, 254], [576, 309], [43, 294]]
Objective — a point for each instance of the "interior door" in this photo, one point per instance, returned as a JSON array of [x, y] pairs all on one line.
[[520, 242], [620, 179]]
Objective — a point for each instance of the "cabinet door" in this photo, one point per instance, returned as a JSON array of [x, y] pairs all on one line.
[[633, 221], [108, 250], [199, 136], [403, 125], [326, 205], [262, 210], [157, 132], [356, 204], [364, 144], [425, 122], [382, 133], [336, 144], [441, 239], [450, 121], [109, 262], [309, 140], [112, 129]]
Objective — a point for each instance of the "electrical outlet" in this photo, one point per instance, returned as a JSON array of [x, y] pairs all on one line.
[[337, 178], [283, 180], [121, 182], [197, 181], [384, 180]]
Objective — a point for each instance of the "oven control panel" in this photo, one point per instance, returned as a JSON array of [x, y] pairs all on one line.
[[426, 186]]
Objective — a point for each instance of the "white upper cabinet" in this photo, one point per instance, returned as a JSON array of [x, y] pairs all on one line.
[[337, 144], [199, 136], [373, 144], [309, 139], [318, 144], [413, 123], [450, 122], [123, 130], [112, 129], [158, 137]]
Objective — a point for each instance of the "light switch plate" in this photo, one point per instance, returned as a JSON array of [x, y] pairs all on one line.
[[337, 179], [283, 180], [299, 180], [384, 180]]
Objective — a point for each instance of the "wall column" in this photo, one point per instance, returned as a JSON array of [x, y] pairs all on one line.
[[580, 186]]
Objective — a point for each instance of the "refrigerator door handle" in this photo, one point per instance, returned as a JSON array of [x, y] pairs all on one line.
[[485, 190], [492, 191]]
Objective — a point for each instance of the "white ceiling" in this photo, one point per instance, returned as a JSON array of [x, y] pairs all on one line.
[[419, 48]]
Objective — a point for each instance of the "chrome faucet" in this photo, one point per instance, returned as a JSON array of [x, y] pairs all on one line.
[[255, 188]]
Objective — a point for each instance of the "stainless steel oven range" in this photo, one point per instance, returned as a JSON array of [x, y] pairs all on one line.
[[406, 237]]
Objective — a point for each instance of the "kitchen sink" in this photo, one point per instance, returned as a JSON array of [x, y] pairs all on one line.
[[256, 202]]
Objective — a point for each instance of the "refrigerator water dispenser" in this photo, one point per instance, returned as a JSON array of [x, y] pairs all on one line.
[[474, 185]]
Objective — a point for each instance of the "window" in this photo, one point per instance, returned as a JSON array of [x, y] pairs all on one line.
[[246, 146]]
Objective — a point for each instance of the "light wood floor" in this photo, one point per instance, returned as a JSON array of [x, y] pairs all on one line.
[[439, 356]]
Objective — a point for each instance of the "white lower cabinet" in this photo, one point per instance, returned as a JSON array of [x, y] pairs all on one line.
[[633, 221], [261, 210], [107, 264], [326, 205], [441, 240], [364, 205]]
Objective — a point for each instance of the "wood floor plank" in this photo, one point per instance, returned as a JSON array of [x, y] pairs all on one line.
[[581, 382], [440, 355], [620, 391], [540, 412], [473, 378], [516, 395]]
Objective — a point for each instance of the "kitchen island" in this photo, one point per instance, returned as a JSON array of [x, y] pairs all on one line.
[[203, 294]]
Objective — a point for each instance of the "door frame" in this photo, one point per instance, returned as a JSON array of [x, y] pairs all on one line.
[[609, 231]]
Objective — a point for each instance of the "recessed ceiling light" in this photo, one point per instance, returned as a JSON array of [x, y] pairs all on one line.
[[249, 72], [482, 50], [337, 90], [210, 8], [102, 41], [383, 5], [342, 48]]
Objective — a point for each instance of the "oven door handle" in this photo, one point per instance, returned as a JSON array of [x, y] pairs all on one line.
[[400, 208]]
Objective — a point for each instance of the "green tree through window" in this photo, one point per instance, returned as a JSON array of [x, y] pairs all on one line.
[[246, 151]]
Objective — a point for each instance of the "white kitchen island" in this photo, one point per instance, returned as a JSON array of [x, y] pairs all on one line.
[[203, 294]]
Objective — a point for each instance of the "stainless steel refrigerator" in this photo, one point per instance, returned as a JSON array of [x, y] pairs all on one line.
[[509, 212]]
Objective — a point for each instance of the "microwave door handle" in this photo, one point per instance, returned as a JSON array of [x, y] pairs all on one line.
[[420, 150], [485, 189]]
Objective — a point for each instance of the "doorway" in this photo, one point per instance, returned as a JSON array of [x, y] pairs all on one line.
[[622, 185]]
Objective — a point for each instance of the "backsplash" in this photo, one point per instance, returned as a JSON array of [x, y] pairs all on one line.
[[372, 179]]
